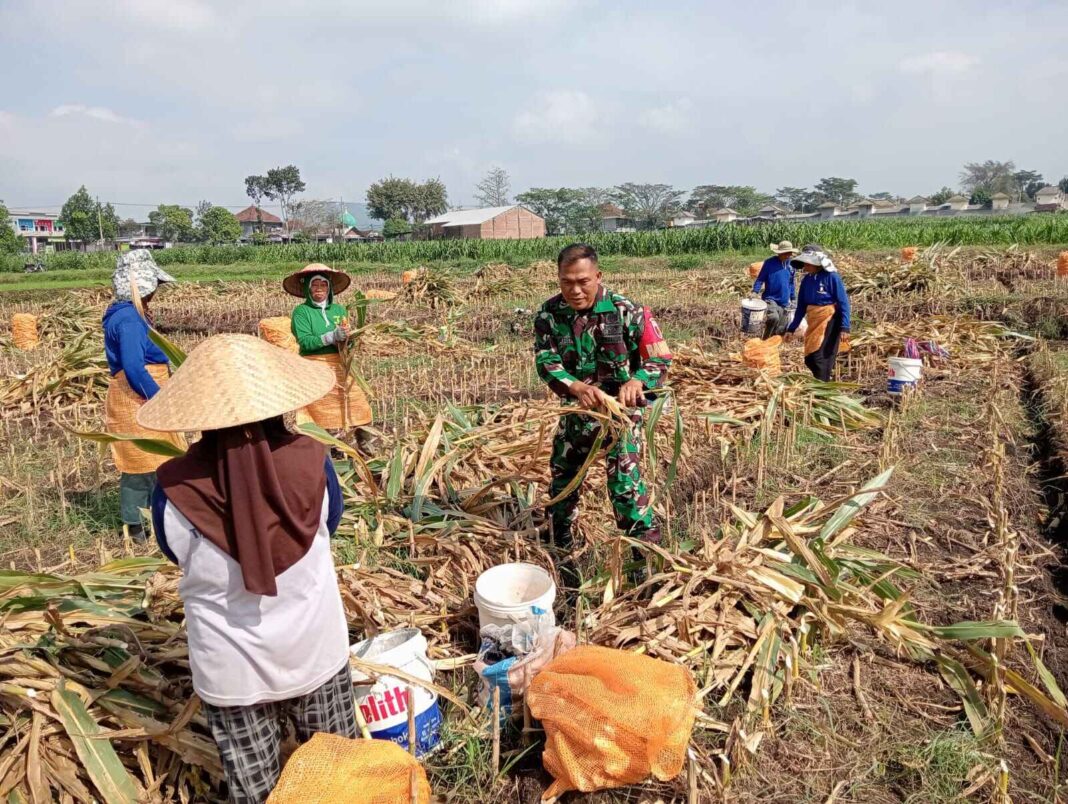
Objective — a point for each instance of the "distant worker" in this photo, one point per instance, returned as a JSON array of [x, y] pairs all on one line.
[[247, 513], [321, 328], [138, 368], [589, 343], [823, 302], [776, 277]]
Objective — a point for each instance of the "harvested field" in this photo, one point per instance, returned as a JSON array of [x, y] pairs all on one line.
[[869, 594]]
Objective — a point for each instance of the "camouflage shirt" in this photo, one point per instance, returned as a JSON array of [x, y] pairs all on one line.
[[600, 346]]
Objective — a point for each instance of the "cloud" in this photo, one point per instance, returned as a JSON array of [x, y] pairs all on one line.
[[939, 62], [558, 117], [671, 119], [190, 16], [94, 113]]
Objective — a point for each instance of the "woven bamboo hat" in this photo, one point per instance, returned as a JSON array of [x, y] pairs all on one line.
[[294, 283], [234, 379]]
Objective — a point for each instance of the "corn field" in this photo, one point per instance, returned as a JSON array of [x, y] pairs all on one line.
[[1029, 230]]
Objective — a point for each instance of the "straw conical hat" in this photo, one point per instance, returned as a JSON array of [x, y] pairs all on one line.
[[234, 379], [294, 286]]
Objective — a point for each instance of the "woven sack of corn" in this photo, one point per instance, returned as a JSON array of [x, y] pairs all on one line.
[[754, 269], [908, 253], [612, 718], [1062, 264], [410, 276], [328, 769], [763, 355], [278, 331], [24, 331]]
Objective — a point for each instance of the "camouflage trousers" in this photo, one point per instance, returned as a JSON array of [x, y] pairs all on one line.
[[575, 437]]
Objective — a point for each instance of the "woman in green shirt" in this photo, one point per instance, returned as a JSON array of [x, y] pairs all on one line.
[[320, 326]]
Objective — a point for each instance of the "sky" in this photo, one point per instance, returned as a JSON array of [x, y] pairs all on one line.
[[174, 101]]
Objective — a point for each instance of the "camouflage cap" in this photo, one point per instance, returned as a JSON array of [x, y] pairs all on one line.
[[137, 265]]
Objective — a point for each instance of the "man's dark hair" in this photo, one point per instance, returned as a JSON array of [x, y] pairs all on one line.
[[574, 253]]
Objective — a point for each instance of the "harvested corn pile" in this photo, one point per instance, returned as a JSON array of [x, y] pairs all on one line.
[[77, 376], [431, 286], [501, 279], [24, 331], [278, 332], [967, 339]]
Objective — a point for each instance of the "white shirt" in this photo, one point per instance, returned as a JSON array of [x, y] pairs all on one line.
[[246, 649]]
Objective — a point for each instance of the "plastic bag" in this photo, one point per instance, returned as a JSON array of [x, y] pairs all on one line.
[[512, 674], [612, 718]]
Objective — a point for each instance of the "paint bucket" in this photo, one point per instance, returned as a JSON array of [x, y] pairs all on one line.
[[384, 703], [515, 593], [904, 373], [754, 311]]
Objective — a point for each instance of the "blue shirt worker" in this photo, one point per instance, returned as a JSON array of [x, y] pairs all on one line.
[[824, 303], [776, 277], [138, 368]]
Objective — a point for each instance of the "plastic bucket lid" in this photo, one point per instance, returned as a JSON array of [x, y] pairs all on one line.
[[393, 648], [754, 304]]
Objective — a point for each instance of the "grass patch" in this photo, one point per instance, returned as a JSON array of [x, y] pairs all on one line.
[[935, 770]]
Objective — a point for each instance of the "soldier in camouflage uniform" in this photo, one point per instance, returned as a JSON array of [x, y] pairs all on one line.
[[589, 341]]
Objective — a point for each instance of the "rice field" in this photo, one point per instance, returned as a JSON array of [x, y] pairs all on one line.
[[869, 594]]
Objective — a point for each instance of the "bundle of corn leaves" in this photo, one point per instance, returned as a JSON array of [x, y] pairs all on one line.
[[78, 375]]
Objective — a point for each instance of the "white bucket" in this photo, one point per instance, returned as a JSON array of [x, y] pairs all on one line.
[[514, 593], [905, 372], [384, 704], [754, 311]]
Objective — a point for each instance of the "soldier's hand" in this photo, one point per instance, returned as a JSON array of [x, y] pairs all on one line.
[[630, 393], [587, 395]]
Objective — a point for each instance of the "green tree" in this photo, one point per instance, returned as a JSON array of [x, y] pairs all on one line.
[[256, 189], [172, 222], [992, 176], [1063, 184], [842, 192], [796, 199], [10, 242], [981, 197], [707, 198], [565, 210], [86, 220], [650, 205], [281, 184], [1028, 182], [396, 227], [941, 197], [218, 225], [392, 198]]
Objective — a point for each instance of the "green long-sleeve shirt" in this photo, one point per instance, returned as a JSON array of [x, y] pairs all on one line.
[[310, 322]]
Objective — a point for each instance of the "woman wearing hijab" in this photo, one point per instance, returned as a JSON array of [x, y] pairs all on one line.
[[138, 368], [247, 514], [822, 301], [320, 328]]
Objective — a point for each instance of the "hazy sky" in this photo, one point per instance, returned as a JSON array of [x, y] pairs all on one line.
[[149, 101]]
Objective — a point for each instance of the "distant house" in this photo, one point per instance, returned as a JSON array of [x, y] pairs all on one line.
[[725, 215], [772, 211], [254, 219], [828, 209], [513, 222], [682, 218], [40, 231], [1050, 199], [917, 204], [999, 201], [614, 219], [956, 203]]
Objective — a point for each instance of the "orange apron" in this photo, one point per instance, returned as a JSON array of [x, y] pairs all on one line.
[[120, 413], [818, 318], [331, 412]]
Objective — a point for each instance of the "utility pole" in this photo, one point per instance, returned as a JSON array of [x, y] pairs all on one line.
[[99, 221]]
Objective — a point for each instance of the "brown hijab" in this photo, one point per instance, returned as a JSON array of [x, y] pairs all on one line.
[[254, 491]]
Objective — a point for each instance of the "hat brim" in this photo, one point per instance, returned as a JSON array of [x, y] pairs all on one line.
[[293, 284], [230, 380], [804, 259], [775, 248]]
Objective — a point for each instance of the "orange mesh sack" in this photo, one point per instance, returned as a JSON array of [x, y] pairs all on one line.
[[1062, 264], [278, 331], [329, 769], [612, 718], [763, 355], [754, 269], [908, 253], [24, 331]]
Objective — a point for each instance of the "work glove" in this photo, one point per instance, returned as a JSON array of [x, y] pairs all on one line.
[[334, 336]]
